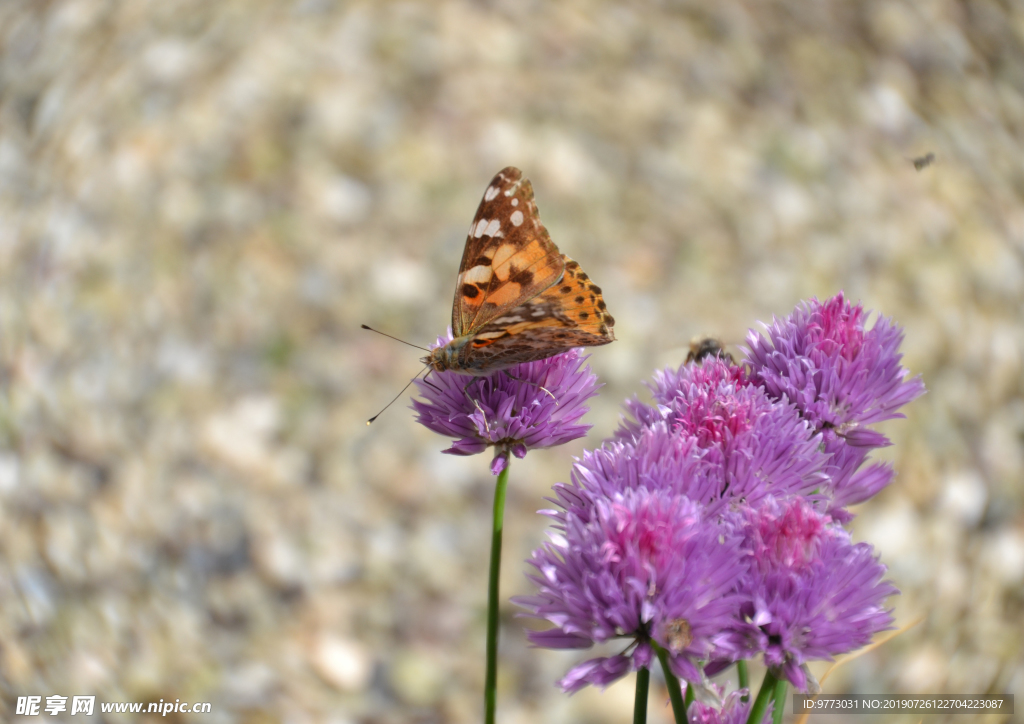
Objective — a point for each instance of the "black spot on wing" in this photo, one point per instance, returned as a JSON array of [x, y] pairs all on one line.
[[470, 291], [522, 277]]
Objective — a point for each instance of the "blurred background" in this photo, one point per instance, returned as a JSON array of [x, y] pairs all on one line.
[[201, 202]]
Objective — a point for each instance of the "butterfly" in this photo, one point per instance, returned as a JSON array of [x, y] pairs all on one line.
[[517, 297]]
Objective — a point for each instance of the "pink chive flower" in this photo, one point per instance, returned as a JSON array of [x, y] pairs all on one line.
[[842, 376], [750, 444], [643, 567], [812, 593], [533, 405]]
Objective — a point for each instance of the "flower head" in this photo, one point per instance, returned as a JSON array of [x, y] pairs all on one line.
[[748, 444], [532, 405], [710, 382], [646, 567], [842, 377], [657, 461], [838, 373], [812, 593]]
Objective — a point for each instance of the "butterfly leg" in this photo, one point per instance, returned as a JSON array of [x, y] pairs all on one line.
[[541, 387], [429, 382], [465, 391]]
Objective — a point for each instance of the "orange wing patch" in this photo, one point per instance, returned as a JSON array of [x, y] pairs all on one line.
[[579, 301]]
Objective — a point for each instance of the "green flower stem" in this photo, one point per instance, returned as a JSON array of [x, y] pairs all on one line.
[[675, 694], [643, 682], [779, 697], [491, 679], [764, 695], [741, 670], [689, 696]]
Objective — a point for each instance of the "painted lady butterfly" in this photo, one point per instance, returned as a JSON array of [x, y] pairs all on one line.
[[517, 299]]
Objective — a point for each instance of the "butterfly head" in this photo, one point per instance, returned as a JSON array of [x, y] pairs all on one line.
[[457, 356], [446, 357]]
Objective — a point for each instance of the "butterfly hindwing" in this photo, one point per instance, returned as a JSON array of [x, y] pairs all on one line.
[[568, 314], [579, 300], [509, 257]]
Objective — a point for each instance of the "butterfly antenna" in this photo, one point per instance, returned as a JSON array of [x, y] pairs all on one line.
[[397, 340], [370, 421]]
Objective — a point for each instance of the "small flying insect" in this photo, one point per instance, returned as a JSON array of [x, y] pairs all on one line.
[[924, 161]]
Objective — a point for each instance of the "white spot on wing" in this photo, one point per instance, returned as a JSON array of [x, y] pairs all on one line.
[[489, 335], [480, 228], [493, 228], [479, 274], [491, 192], [516, 218], [514, 187], [515, 202]]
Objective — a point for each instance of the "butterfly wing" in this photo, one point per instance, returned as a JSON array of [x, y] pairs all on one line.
[[569, 314], [509, 257]]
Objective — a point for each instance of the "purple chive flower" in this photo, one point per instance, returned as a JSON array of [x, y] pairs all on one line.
[[837, 373], [842, 377], [714, 375], [657, 461], [645, 567], [747, 443], [532, 405], [812, 593], [733, 711]]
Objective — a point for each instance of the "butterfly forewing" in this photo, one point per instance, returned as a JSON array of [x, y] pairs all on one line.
[[509, 256]]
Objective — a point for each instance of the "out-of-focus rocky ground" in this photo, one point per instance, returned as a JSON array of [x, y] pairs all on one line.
[[201, 201]]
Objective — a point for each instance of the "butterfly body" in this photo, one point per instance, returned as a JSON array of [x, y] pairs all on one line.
[[517, 298], [454, 356]]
